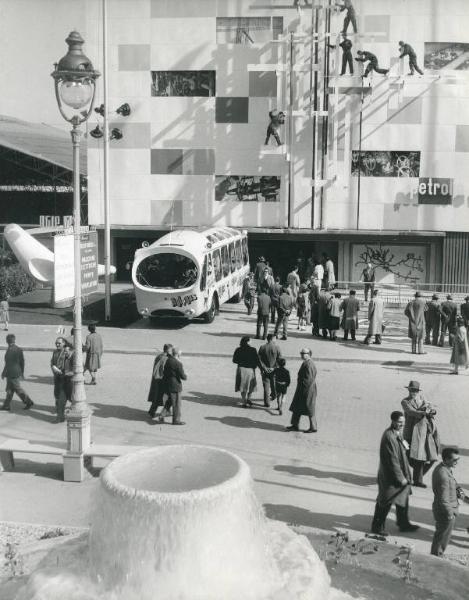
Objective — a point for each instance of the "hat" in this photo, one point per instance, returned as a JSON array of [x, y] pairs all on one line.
[[418, 294], [449, 297], [413, 385], [466, 298], [435, 297]]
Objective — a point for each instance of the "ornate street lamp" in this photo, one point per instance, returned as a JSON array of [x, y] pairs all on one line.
[[75, 87]]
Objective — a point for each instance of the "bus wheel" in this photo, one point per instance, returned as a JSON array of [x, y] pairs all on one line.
[[210, 314]]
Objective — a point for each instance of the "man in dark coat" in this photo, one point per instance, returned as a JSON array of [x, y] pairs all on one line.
[[259, 269], [14, 373], [449, 310], [304, 400], [323, 312], [269, 354], [364, 56], [274, 298], [465, 312], [407, 50], [347, 58], [350, 17], [447, 494], [368, 277], [263, 313], [432, 321], [415, 312], [156, 393], [393, 478], [173, 375], [350, 306], [285, 305]]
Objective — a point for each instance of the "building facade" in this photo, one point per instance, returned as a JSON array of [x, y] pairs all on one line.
[[368, 169]]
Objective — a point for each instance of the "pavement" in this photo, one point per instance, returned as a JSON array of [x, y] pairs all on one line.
[[324, 481]]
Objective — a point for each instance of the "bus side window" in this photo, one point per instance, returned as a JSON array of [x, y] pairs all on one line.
[[239, 257], [225, 261], [203, 277], [217, 264], [245, 251], [232, 257]]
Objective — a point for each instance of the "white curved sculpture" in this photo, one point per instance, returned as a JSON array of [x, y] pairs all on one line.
[[34, 257]]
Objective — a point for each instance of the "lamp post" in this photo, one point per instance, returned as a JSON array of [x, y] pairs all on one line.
[[75, 87]]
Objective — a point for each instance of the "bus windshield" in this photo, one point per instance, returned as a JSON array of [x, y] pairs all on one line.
[[167, 270]]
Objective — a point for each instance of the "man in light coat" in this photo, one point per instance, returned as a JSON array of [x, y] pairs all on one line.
[[447, 494], [375, 318], [293, 280], [173, 376], [393, 478], [415, 312], [94, 350]]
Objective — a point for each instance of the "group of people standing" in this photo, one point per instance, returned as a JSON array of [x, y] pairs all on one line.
[[276, 380], [412, 441], [166, 385]]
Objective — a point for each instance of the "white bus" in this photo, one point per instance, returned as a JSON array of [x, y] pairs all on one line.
[[189, 273]]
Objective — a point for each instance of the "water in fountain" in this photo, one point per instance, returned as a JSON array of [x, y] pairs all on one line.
[[181, 523]]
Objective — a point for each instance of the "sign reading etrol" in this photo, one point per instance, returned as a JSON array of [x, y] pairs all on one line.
[[64, 270], [435, 190]]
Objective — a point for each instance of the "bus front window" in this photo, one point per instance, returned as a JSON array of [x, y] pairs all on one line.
[[167, 270]]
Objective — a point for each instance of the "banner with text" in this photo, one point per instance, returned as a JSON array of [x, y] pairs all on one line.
[[64, 270]]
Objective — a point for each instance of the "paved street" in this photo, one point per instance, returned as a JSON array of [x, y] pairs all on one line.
[[324, 480]]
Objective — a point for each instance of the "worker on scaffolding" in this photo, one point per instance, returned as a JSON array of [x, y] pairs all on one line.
[[277, 118], [407, 50], [347, 58], [350, 17], [364, 56]]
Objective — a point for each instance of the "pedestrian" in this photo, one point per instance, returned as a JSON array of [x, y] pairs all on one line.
[[420, 433], [274, 299], [94, 350], [446, 496], [460, 352], [173, 376], [333, 308], [318, 275], [293, 281], [364, 56], [302, 307], [329, 272], [375, 318], [263, 313], [350, 17], [323, 312], [415, 312], [350, 306], [68, 373], [449, 310], [432, 320], [269, 355], [347, 57], [313, 302], [304, 399], [393, 479], [5, 312], [156, 392], [266, 282], [249, 292], [13, 372], [465, 312], [245, 356], [285, 305], [259, 269], [282, 381], [368, 278], [407, 50], [57, 366]]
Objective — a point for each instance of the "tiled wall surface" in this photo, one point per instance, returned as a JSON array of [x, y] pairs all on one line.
[[163, 170]]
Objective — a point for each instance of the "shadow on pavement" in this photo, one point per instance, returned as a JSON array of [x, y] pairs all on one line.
[[47, 470], [345, 477], [44, 379], [211, 399], [32, 413], [414, 367], [246, 423], [118, 411]]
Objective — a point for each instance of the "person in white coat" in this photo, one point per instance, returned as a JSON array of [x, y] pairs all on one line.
[[375, 318]]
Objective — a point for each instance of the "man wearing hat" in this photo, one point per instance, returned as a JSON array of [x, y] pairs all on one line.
[[420, 433], [393, 478], [432, 321], [465, 312], [304, 400], [449, 310], [415, 312], [259, 269]]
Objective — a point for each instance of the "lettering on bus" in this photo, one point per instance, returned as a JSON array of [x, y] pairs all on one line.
[[183, 300]]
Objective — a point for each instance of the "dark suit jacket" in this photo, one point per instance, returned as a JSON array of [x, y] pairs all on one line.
[[14, 362], [173, 375], [393, 469]]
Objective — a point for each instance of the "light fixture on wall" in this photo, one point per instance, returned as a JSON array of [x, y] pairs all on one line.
[[124, 110], [97, 132], [115, 134]]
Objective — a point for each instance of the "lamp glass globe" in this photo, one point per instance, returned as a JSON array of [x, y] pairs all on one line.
[[76, 94]]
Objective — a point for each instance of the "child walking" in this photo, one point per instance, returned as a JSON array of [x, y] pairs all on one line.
[[301, 302], [282, 381]]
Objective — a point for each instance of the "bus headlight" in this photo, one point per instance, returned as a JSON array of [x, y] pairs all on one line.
[[145, 312], [189, 312]]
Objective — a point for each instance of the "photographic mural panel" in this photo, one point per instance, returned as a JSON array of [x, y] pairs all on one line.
[[392, 263], [446, 55], [385, 163], [183, 83], [248, 30], [247, 188]]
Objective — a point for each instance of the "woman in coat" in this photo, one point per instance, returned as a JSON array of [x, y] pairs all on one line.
[[245, 356], [460, 353], [304, 400], [156, 392], [94, 350], [420, 433]]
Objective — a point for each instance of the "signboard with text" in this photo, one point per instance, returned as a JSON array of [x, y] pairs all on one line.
[[64, 269], [435, 190]]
